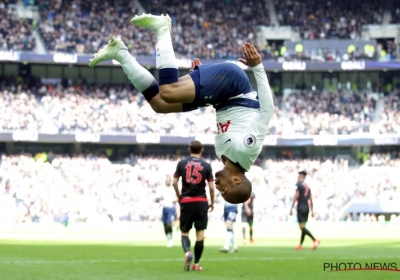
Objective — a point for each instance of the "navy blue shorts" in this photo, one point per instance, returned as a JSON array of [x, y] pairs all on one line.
[[230, 214], [216, 83], [168, 215]]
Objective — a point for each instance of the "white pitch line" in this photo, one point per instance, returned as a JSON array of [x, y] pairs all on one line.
[[180, 260]]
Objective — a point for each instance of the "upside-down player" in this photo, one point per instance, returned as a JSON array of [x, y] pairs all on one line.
[[242, 114]]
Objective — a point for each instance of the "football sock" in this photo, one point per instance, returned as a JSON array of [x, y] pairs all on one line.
[[303, 234], [198, 251], [165, 57], [306, 232], [185, 243], [251, 232], [233, 241], [228, 238], [138, 75], [244, 233]]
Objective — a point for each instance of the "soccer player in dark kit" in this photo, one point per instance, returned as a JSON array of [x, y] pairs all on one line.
[[304, 202], [248, 218], [195, 172]]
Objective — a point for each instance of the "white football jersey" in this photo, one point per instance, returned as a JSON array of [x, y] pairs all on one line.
[[241, 130], [168, 196]]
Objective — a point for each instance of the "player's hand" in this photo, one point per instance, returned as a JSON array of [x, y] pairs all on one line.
[[210, 207], [252, 57], [291, 212], [195, 62], [248, 212], [312, 214]]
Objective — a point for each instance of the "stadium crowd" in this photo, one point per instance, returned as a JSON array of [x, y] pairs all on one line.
[[321, 113], [330, 19], [119, 109], [89, 188], [15, 34], [218, 33], [197, 30], [390, 116]]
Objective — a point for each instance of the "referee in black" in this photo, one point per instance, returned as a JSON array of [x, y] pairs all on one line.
[[304, 202]]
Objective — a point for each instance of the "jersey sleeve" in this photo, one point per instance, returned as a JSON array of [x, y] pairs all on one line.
[[210, 176], [178, 172], [267, 106]]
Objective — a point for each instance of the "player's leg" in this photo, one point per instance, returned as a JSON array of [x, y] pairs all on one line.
[[244, 226], [230, 237], [304, 232], [168, 226], [250, 222], [198, 249], [200, 225], [185, 223], [172, 88], [142, 79], [164, 220]]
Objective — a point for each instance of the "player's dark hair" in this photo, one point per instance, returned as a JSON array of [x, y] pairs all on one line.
[[195, 147], [239, 193]]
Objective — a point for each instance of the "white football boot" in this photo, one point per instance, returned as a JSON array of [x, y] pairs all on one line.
[[108, 52], [151, 22]]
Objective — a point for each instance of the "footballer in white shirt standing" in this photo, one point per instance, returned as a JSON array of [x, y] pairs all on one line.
[[167, 198], [242, 114]]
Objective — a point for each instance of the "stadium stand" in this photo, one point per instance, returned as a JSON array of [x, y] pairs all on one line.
[[390, 115], [119, 109], [89, 188], [205, 33], [15, 34], [395, 14], [331, 19], [84, 27], [332, 113], [211, 33]]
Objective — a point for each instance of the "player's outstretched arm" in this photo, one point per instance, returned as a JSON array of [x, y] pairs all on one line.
[[253, 60]]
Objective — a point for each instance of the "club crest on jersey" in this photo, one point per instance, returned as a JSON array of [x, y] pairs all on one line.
[[250, 140]]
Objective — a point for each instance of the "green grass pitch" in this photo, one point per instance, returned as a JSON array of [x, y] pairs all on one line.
[[140, 253]]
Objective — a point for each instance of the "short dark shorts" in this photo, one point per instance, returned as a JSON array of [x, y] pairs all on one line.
[[194, 213], [302, 217], [247, 218]]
